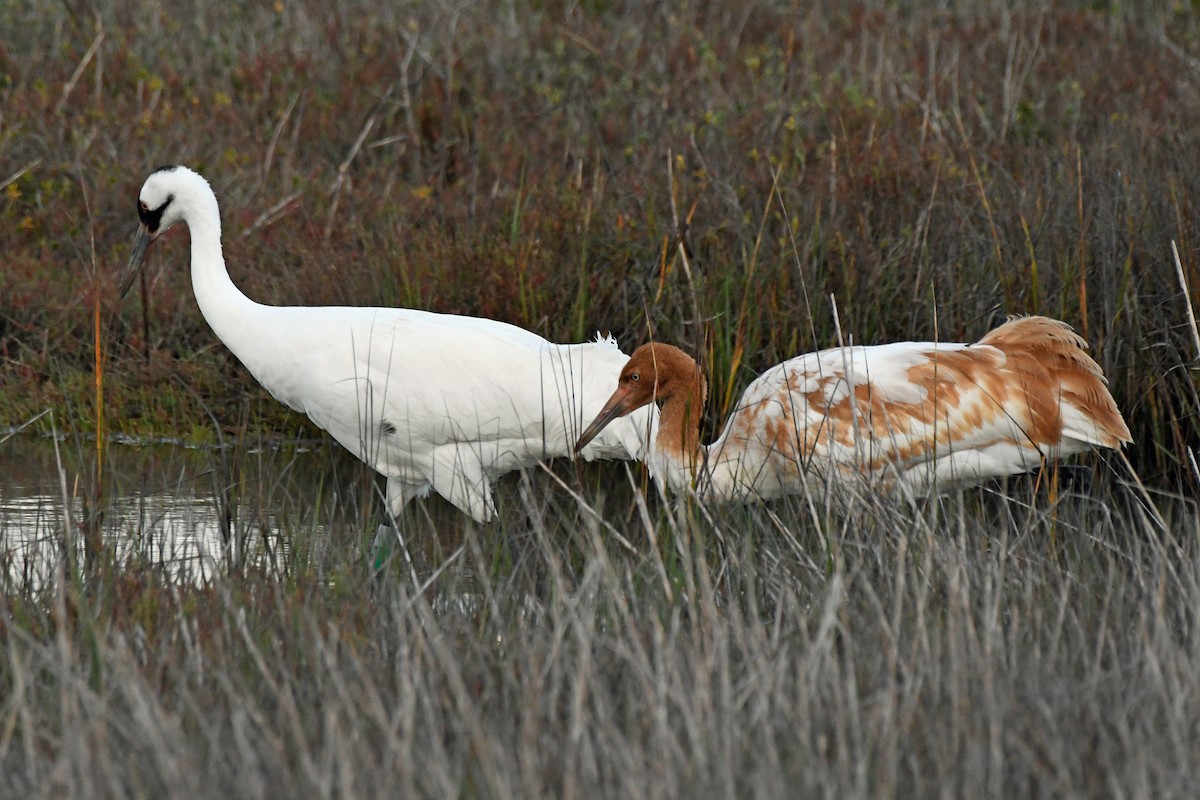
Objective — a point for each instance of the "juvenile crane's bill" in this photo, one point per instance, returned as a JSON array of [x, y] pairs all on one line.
[[432, 401], [919, 416]]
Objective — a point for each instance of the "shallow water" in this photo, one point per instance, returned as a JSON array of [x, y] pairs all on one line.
[[298, 505], [160, 507]]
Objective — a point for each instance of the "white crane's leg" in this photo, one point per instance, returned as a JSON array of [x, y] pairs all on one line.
[[383, 535], [398, 495], [459, 480]]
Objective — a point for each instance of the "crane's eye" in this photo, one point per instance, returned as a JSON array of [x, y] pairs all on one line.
[[142, 207], [635, 377]]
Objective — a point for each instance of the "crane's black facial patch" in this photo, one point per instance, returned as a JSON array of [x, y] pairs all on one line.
[[152, 217], [388, 428]]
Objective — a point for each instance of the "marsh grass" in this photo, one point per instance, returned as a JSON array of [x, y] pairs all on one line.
[[719, 176], [989, 644]]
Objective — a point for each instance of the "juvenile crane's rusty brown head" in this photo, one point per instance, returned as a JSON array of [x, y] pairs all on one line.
[[655, 372]]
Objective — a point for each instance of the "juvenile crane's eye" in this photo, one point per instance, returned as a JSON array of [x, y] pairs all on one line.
[[635, 377]]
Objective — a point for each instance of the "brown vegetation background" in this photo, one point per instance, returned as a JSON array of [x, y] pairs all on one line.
[[931, 170]]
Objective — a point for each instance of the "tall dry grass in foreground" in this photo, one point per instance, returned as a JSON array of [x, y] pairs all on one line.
[[552, 165], [988, 645]]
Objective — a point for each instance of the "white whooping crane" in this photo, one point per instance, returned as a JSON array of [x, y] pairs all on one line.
[[430, 401], [918, 416]]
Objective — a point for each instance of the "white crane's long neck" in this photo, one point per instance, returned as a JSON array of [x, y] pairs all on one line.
[[221, 302]]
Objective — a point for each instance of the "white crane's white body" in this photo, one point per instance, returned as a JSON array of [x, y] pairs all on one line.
[[431, 401]]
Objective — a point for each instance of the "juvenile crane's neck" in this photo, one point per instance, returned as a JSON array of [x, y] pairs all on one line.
[[678, 439]]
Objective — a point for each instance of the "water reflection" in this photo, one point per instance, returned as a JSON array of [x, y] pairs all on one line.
[[161, 509], [304, 506]]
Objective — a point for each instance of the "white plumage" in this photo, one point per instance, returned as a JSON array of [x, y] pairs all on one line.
[[431, 401]]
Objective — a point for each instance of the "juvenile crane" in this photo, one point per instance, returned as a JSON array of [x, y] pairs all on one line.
[[430, 401], [921, 417]]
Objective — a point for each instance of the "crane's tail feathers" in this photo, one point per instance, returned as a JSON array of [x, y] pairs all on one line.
[[1044, 349]]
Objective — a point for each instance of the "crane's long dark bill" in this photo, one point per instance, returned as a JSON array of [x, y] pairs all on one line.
[[143, 240], [617, 406]]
